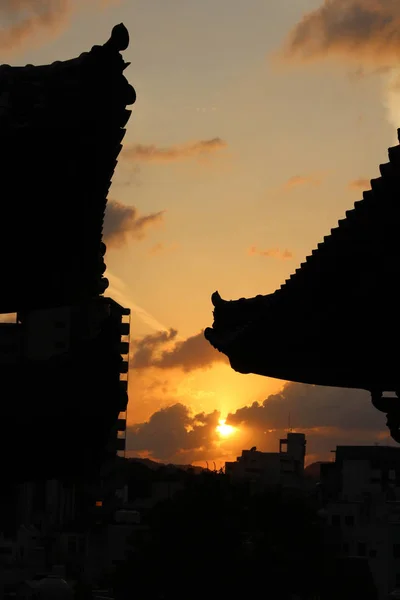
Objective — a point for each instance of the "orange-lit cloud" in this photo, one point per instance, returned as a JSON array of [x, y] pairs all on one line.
[[360, 184], [299, 180], [270, 253], [328, 416], [162, 249], [174, 434], [123, 223], [191, 150], [35, 20], [23, 18], [163, 350], [366, 31], [311, 407]]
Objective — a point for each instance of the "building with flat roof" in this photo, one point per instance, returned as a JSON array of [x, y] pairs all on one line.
[[285, 468]]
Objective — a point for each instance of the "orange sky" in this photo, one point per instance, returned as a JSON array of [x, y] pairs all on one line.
[[257, 124]]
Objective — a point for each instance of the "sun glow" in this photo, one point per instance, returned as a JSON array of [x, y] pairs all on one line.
[[225, 430]]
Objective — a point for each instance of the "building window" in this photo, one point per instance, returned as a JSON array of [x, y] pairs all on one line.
[[372, 553], [335, 520], [349, 520], [396, 550], [362, 549]]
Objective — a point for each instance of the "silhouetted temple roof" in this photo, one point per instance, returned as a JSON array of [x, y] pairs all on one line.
[[61, 128], [334, 321]]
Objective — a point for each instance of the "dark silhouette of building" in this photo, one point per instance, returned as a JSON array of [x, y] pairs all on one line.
[[65, 346], [61, 130], [360, 502], [333, 321], [284, 468]]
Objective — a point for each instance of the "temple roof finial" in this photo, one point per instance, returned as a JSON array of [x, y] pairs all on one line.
[[216, 299], [119, 38]]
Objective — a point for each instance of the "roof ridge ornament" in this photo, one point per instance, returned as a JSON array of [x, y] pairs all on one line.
[[119, 39], [216, 299]]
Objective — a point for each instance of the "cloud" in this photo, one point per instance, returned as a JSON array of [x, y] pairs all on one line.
[[270, 253], [173, 434], [122, 223], [359, 184], [38, 20], [366, 31], [164, 350], [23, 18], [311, 406], [191, 150], [363, 32], [328, 416], [298, 180], [145, 352]]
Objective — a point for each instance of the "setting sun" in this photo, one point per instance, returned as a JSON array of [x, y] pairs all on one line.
[[225, 430]]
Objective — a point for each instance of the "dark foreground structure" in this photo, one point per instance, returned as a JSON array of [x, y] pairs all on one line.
[[335, 321], [61, 353]]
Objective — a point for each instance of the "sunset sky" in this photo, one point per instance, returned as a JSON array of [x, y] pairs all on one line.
[[258, 123]]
